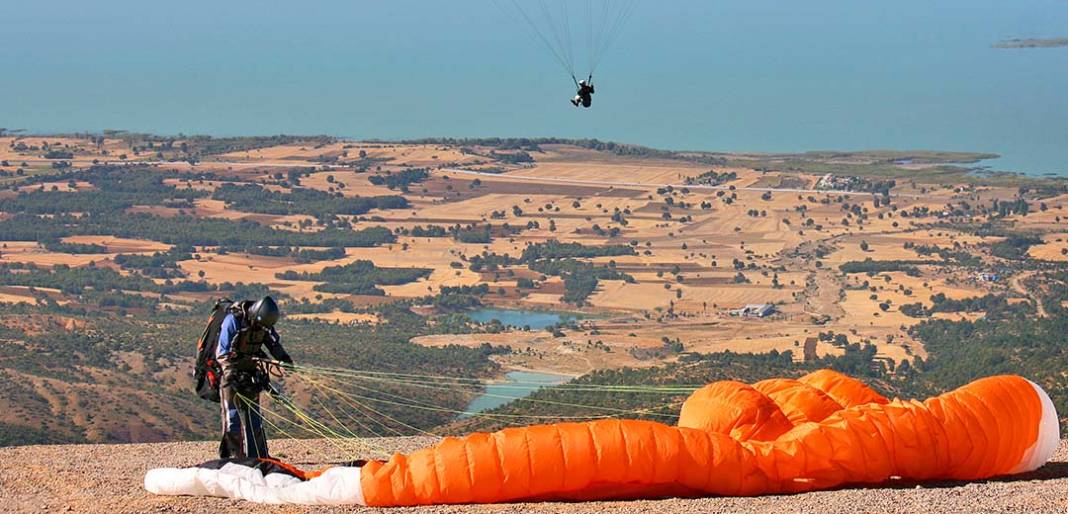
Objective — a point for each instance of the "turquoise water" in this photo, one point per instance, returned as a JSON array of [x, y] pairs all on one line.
[[744, 75], [536, 320], [518, 384]]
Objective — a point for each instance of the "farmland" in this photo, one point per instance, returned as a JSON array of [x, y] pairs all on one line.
[[656, 251]]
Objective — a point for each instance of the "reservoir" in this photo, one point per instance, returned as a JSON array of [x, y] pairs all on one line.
[[517, 384], [519, 319]]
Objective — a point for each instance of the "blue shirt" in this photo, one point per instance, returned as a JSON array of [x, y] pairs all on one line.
[[228, 334]]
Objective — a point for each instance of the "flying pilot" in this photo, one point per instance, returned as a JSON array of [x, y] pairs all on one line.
[[585, 94]]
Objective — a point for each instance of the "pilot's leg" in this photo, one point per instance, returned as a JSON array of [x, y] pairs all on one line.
[[576, 101], [232, 445]]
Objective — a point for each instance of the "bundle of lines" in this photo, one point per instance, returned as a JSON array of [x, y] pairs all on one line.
[[351, 410]]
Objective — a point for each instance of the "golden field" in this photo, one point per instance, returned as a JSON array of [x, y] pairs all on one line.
[[701, 251]]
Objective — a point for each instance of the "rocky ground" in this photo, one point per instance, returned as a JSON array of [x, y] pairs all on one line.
[[107, 478]]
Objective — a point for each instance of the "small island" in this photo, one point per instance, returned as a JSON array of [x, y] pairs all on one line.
[[1033, 43]]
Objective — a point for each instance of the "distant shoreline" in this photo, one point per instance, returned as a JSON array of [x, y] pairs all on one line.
[[984, 164], [1033, 43]]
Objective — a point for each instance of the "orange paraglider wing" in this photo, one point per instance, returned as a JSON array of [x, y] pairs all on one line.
[[779, 436], [991, 427], [799, 401], [846, 390], [735, 409]]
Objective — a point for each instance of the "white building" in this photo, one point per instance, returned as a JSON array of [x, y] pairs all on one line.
[[755, 310]]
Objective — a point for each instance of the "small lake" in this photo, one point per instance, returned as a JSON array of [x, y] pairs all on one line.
[[519, 319], [517, 384]]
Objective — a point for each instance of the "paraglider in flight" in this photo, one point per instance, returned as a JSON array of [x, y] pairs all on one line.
[[777, 436], [585, 93], [559, 24]]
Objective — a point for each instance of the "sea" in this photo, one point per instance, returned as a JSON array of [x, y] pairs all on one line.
[[719, 75]]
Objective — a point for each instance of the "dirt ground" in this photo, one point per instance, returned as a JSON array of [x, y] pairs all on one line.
[[108, 479], [1054, 247]]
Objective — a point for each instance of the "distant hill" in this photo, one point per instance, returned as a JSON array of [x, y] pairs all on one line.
[[1033, 43], [957, 353]]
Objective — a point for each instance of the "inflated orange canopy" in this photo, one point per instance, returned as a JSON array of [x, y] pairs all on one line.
[[778, 436]]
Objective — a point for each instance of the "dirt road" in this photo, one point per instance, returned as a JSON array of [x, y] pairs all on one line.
[[1018, 285]]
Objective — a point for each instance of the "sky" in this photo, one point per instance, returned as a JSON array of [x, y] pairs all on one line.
[[752, 75]]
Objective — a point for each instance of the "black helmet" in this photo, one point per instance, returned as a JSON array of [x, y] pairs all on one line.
[[264, 313]]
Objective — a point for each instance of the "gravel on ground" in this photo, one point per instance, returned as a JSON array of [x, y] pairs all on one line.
[[108, 478]]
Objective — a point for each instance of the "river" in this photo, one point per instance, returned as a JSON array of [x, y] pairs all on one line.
[[517, 384]]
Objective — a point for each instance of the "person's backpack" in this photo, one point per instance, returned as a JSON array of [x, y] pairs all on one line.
[[208, 373]]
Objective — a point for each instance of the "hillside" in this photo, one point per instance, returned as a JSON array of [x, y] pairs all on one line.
[[903, 267], [101, 478], [957, 352]]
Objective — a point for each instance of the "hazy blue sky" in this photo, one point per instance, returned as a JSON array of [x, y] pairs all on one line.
[[696, 74]]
